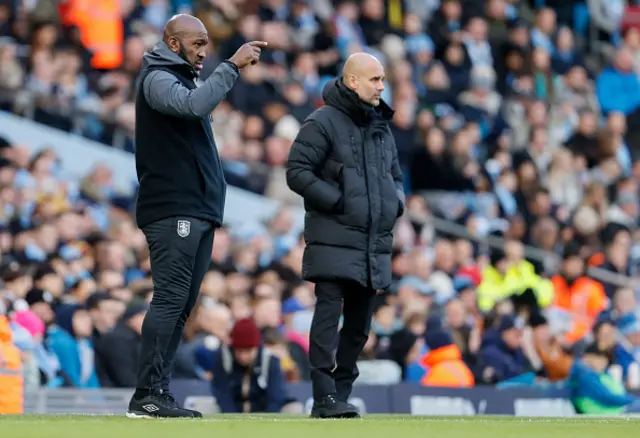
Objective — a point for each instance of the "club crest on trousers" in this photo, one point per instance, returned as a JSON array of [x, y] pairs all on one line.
[[184, 228]]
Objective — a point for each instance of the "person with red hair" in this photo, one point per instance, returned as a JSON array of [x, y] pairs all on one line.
[[247, 377]]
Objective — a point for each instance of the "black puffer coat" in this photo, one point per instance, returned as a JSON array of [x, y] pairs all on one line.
[[344, 164]]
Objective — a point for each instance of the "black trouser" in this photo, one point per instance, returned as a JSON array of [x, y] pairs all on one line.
[[180, 249], [333, 356]]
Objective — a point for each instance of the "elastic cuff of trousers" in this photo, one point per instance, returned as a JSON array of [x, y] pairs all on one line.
[[235, 67]]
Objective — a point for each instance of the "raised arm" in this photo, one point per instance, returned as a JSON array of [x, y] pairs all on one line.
[[166, 94]]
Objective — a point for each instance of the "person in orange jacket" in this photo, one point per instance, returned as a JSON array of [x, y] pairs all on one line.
[[101, 29], [578, 299], [443, 363], [11, 380]]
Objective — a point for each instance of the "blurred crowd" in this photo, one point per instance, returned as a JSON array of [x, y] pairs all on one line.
[[514, 119]]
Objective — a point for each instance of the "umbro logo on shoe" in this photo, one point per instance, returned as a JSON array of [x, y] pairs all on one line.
[[157, 406], [150, 408]]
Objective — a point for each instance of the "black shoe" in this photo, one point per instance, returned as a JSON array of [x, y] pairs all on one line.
[[346, 400], [331, 407], [172, 400], [156, 405]]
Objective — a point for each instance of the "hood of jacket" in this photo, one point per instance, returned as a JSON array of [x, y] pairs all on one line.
[[162, 56], [337, 95]]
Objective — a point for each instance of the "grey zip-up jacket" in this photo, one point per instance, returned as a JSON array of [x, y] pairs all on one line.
[[177, 161]]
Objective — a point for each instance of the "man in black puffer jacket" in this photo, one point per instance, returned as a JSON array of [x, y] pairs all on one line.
[[344, 164]]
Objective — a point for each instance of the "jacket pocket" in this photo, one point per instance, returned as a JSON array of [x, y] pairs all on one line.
[[333, 174], [390, 202], [355, 212]]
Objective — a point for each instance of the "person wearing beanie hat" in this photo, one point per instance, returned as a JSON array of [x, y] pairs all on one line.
[[245, 339], [247, 377], [444, 363], [116, 350]]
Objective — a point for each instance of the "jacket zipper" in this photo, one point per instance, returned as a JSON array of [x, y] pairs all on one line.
[[383, 153], [356, 157]]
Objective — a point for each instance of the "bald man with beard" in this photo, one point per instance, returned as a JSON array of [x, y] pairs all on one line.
[[344, 164], [181, 195]]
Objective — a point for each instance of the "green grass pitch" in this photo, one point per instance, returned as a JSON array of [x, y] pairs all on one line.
[[278, 426]]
